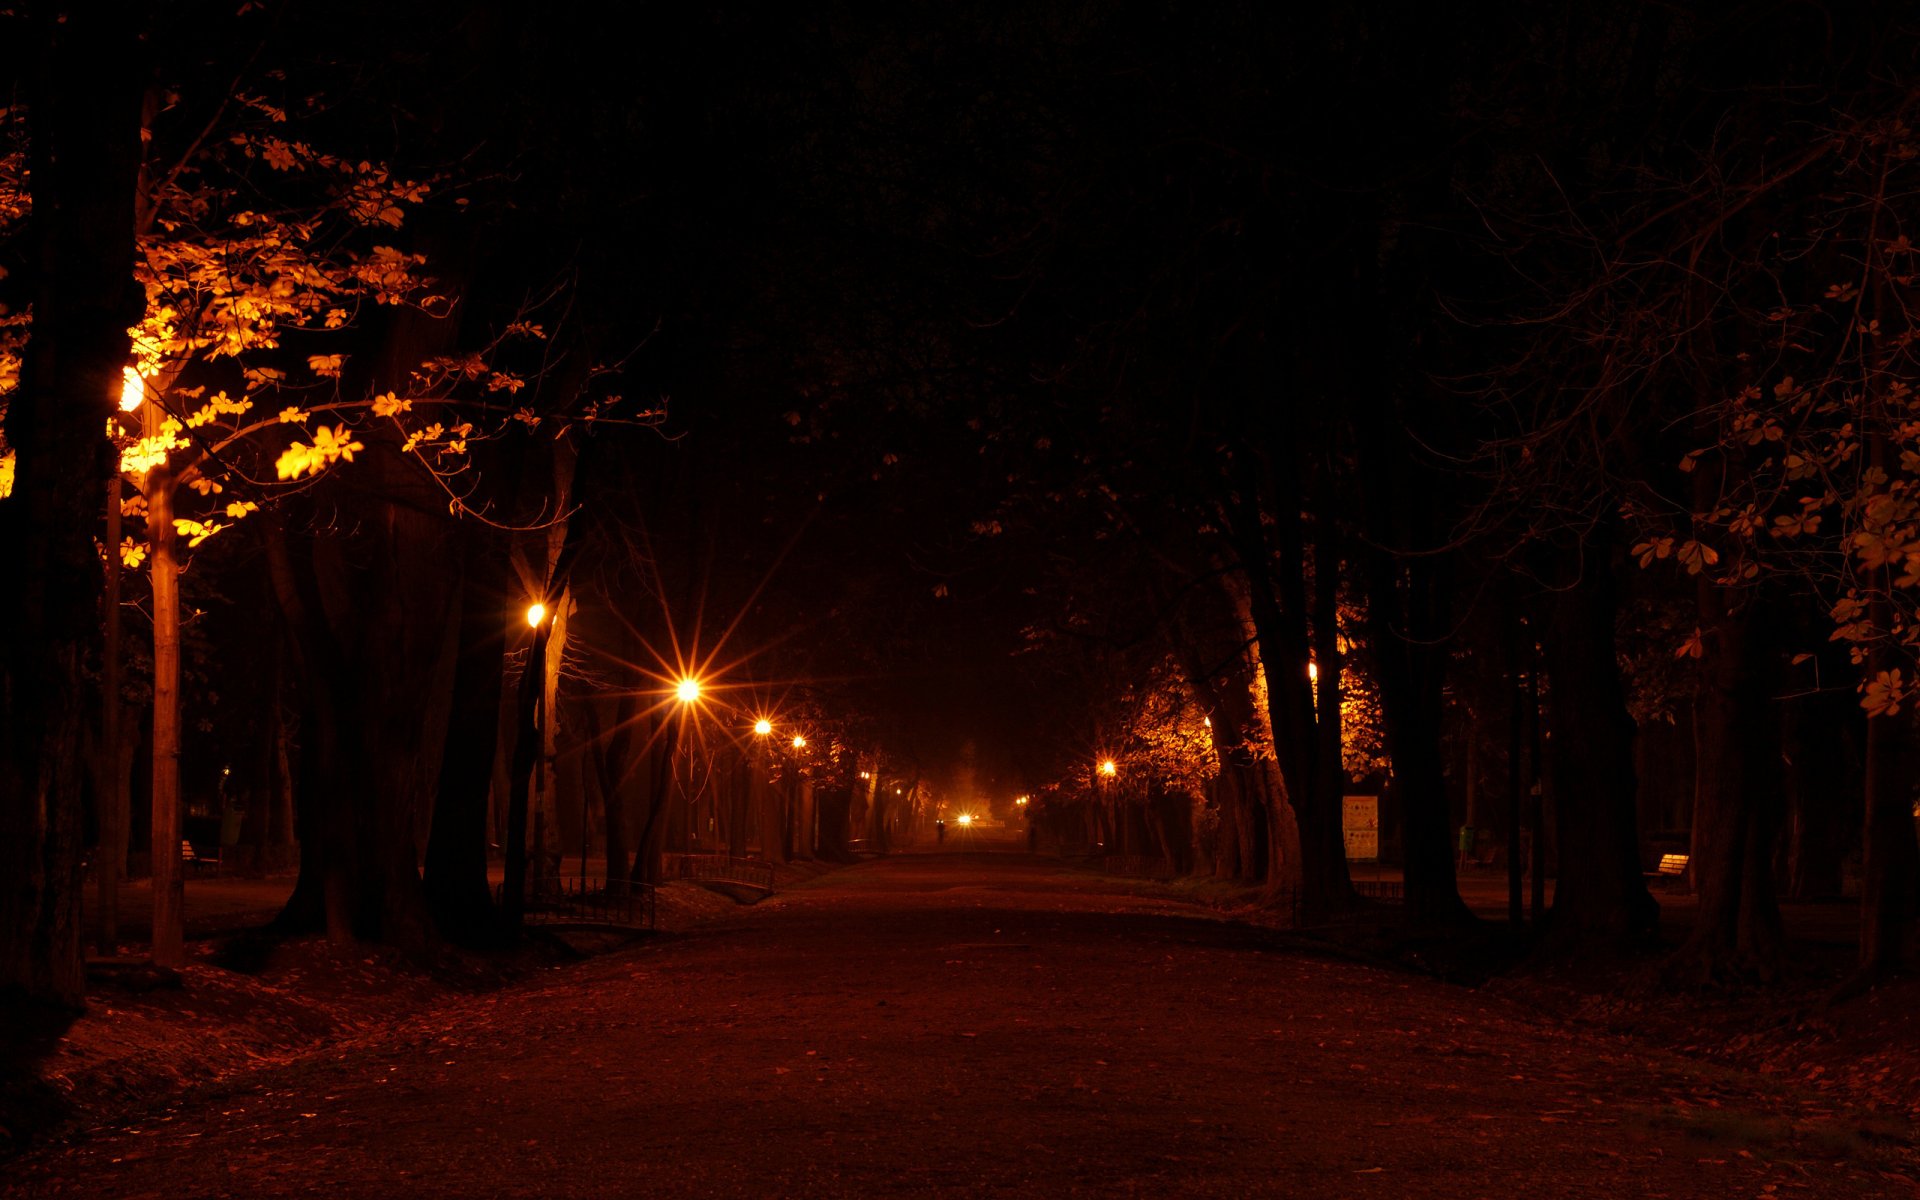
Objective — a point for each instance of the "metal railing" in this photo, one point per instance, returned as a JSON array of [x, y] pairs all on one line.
[[572, 900], [719, 868], [1382, 891], [1139, 866]]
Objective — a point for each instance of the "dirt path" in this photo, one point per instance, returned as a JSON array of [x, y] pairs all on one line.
[[972, 1024]]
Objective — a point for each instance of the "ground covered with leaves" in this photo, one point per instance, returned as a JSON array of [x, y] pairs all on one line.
[[973, 1024]]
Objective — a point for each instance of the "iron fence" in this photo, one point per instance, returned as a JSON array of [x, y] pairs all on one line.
[[572, 900], [719, 868], [1139, 866]]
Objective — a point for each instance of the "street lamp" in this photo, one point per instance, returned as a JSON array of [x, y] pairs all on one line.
[[133, 390], [687, 690], [1109, 768], [763, 727], [799, 743], [536, 613]]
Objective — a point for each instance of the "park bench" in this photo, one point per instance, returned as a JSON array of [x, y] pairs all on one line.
[[194, 860], [1672, 867]]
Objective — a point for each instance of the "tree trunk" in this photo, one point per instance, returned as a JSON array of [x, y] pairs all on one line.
[[1279, 622], [169, 872], [769, 819], [1737, 931], [1821, 781], [84, 105], [111, 787], [1892, 863], [455, 878], [1601, 892]]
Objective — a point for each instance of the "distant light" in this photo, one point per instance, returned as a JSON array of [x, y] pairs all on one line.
[[799, 743], [1207, 721], [133, 391], [536, 613], [896, 791], [1019, 799], [964, 819], [1313, 672], [687, 690], [1109, 767], [866, 775], [763, 727]]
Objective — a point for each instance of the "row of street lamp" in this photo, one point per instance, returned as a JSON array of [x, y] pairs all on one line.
[[687, 690]]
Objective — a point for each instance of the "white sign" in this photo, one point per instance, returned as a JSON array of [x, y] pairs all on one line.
[[1360, 823]]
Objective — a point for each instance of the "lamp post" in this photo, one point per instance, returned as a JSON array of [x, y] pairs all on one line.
[[528, 751], [686, 693], [1108, 770], [761, 797]]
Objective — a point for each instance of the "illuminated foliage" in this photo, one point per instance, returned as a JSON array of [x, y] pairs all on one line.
[[1810, 466]]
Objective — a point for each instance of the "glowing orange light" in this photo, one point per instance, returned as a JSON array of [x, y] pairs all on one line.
[[799, 743], [964, 819], [133, 392], [763, 727], [687, 690], [1020, 800], [1109, 767], [1313, 672], [536, 613]]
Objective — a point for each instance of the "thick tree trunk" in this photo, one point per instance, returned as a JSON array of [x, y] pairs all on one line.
[[1892, 864], [652, 841], [1407, 617], [765, 800], [1279, 622], [110, 789], [1601, 892], [84, 105], [455, 878], [1737, 931], [1821, 782], [835, 815]]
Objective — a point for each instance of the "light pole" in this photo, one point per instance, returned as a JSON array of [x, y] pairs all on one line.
[[686, 693], [528, 751], [1108, 771]]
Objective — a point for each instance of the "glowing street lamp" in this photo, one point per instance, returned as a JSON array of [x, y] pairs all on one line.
[[536, 613], [1020, 800], [799, 743], [687, 690], [763, 727], [965, 818], [1109, 768], [133, 390]]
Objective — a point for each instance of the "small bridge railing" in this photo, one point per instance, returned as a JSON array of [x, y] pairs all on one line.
[[1138, 866], [719, 868], [571, 900], [1381, 891]]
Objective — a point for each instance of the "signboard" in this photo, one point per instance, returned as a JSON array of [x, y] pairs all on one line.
[[1360, 822]]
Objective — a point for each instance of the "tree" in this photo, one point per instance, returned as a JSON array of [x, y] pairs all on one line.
[[85, 153]]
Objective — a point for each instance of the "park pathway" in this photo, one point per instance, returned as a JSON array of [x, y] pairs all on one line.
[[968, 1024]]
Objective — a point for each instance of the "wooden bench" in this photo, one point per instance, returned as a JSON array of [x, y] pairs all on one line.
[[194, 860], [1672, 867]]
